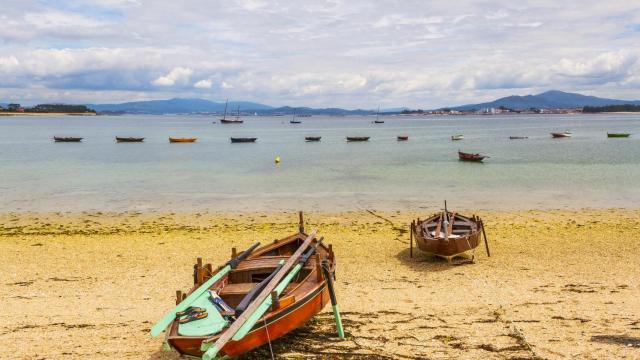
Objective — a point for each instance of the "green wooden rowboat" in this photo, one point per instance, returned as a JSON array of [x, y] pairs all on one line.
[[618, 135]]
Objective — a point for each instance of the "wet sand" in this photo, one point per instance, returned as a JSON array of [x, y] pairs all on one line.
[[558, 284]]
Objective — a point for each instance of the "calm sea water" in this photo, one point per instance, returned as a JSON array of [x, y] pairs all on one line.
[[588, 170]]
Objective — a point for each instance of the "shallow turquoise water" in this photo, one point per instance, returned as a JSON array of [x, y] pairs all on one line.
[[588, 170]]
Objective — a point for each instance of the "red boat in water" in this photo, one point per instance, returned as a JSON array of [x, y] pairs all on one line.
[[463, 156], [231, 295]]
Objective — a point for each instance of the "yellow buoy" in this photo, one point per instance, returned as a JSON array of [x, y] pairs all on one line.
[[277, 159]]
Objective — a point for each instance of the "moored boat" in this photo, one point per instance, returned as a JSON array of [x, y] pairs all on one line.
[[312, 138], [377, 120], [457, 137], [293, 119], [224, 116], [229, 121], [447, 234], [618, 135], [259, 296], [243, 140], [129, 139], [182, 139], [558, 135], [463, 156], [67, 139], [357, 138], [403, 137], [518, 137]]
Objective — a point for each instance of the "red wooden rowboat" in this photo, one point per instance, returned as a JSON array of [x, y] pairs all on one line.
[[301, 300], [470, 157]]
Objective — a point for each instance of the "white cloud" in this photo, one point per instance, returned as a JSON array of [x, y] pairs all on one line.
[[608, 66], [323, 53], [49, 20], [203, 84], [398, 20], [177, 75], [8, 64]]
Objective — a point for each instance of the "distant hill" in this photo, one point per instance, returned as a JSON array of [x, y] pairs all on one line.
[[314, 111], [173, 106], [178, 105], [547, 100]]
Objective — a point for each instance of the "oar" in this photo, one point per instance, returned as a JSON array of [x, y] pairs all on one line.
[[171, 315], [332, 295], [266, 304], [486, 242], [212, 351]]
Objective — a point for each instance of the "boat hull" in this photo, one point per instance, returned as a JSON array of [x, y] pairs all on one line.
[[278, 325], [222, 121], [129, 139], [66, 139], [357, 138], [462, 156], [182, 140], [243, 140], [403, 138], [312, 138], [560, 135], [618, 135], [451, 247]]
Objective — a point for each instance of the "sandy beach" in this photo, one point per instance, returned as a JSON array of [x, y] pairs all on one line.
[[558, 284]]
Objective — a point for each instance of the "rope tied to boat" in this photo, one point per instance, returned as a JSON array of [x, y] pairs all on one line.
[[266, 328]]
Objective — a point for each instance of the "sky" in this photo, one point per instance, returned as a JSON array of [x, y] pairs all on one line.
[[336, 53]]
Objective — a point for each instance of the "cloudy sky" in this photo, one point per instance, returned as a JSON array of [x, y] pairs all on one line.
[[346, 53]]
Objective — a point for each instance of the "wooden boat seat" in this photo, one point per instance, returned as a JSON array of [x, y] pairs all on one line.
[[235, 289], [262, 262]]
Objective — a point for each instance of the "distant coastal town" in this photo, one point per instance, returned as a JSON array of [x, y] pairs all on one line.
[[505, 110]]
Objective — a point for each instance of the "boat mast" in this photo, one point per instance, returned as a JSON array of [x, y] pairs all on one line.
[[445, 222], [378, 113], [224, 117], [238, 116]]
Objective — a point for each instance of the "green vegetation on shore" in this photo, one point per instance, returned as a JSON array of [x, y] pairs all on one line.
[[47, 108], [611, 108]]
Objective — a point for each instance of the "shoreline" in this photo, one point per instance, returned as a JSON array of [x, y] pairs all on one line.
[[559, 283], [44, 114]]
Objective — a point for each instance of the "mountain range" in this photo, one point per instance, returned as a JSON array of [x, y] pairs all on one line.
[[546, 100], [553, 99], [180, 105]]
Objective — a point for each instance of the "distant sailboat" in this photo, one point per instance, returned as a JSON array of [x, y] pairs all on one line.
[[293, 120], [236, 121], [378, 121]]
